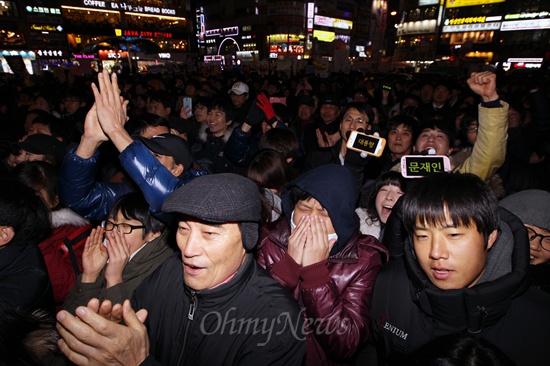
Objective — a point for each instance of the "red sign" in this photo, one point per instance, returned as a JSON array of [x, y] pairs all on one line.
[[147, 34], [112, 55]]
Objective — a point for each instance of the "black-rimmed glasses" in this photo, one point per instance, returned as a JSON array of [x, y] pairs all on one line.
[[122, 228], [544, 239]]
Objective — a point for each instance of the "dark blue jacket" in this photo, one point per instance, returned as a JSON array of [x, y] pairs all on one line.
[[334, 187], [80, 191]]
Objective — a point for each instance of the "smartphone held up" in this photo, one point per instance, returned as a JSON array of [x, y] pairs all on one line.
[[188, 102], [363, 143]]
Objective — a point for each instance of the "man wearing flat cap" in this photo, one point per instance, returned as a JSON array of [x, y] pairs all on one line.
[[224, 309], [157, 165], [532, 206]]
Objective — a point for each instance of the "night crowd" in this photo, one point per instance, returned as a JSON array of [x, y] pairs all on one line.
[[171, 219]]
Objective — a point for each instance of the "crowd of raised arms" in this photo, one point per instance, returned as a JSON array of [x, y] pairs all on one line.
[[246, 219]]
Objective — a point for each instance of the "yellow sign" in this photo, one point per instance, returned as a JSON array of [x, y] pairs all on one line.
[[460, 3], [323, 36], [470, 20]]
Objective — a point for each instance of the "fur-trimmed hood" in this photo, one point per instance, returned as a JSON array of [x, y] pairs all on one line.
[[66, 216]]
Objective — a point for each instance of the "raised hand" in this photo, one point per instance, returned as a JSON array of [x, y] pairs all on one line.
[[326, 140], [265, 105], [186, 112], [93, 135], [111, 109], [119, 254], [94, 256], [484, 84]]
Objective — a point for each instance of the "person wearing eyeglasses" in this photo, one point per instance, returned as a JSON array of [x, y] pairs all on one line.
[[356, 116], [532, 206], [126, 248]]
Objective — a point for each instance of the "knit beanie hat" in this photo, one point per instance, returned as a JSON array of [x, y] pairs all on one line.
[[220, 198], [532, 206]]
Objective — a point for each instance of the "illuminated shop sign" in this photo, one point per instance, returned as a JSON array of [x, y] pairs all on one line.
[[469, 20], [199, 17], [343, 37], [542, 14], [287, 49], [165, 55], [525, 25], [43, 10], [521, 65], [323, 36], [147, 34], [128, 7], [333, 22], [418, 27], [427, 2], [112, 55], [460, 3], [213, 58], [49, 53], [222, 32], [471, 27], [46, 28], [248, 55], [80, 56], [525, 59]]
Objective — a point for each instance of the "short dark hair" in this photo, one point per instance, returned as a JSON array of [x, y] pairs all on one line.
[[410, 96], [162, 97], [136, 125], [134, 206], [24, 211], [297, 194], [78, 93], [459, 349], [54, 125], [407, 121], [440, 124], [363, 108], [200, 100], [465, 197], [282, 140], [222, 105], [28, 338]]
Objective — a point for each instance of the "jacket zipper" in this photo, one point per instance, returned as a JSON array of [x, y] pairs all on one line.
[[190, 316], [193, 306]]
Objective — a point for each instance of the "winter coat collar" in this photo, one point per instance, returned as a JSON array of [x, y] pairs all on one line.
[[204, 134], [483, 304]]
